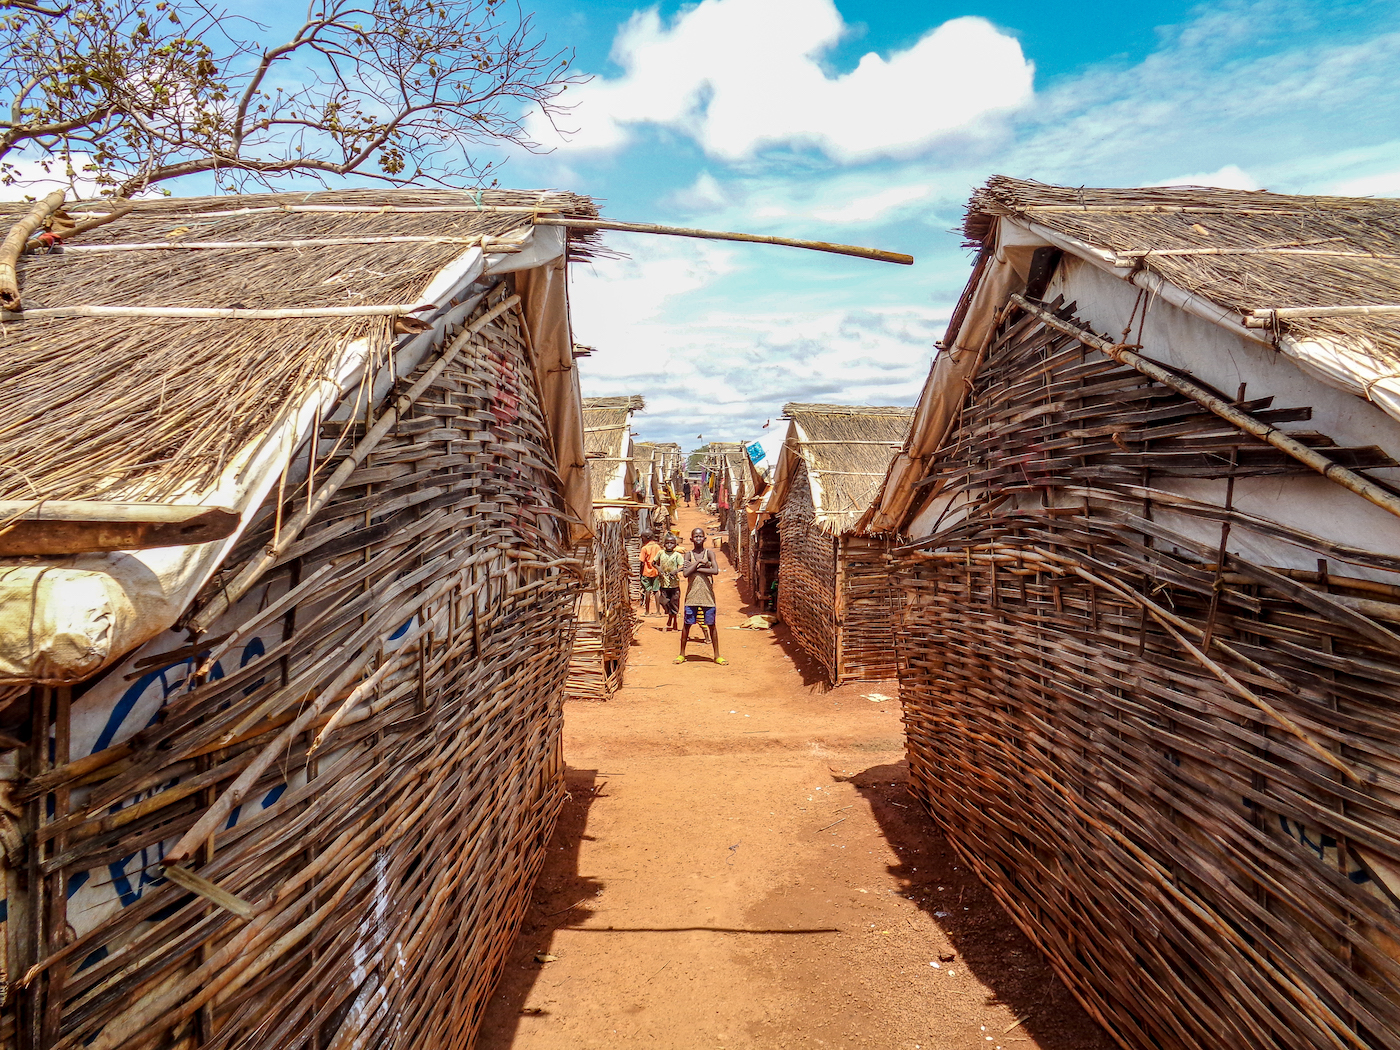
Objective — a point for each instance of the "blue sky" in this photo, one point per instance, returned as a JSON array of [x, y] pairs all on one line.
[[870, 124]]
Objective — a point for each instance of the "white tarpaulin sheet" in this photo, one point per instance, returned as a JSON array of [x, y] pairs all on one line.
[[63, 619]]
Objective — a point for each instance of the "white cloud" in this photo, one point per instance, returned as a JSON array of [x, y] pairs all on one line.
[[36, 176], [740, 76], [665, 324], [1381, 184], [873, 206], [1230, 177]]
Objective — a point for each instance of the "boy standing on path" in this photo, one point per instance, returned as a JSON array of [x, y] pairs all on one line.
[[699, 569], [668, 565], [651, 579]]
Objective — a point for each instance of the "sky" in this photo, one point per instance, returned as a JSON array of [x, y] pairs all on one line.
[[871, 123]]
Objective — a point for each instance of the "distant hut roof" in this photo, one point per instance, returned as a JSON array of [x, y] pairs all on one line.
[[154, 406], [607, 441], [847, 449]]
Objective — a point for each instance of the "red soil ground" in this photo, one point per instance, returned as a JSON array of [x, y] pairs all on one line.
[[740, 865]]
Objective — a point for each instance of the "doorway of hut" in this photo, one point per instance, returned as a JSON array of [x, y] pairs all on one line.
[[764, 574], [739, 864]]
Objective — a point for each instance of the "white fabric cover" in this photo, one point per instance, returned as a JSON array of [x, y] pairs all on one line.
[[64, 619]]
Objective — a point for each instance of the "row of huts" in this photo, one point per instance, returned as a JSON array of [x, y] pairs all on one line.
[[285, 635]]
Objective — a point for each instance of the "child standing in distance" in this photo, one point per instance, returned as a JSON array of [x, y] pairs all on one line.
[[668, 565], [699, 570], [650, 579]]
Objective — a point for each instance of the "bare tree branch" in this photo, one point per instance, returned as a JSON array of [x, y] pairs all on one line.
[[128, 94]]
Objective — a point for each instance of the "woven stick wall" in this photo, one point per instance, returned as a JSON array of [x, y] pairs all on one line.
[[871, 603], [632, 544], [736, 524], [1178, 775], [365, 892], [807, 575], [605, 619]]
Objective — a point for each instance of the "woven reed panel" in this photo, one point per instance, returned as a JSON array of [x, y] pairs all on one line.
[[388, 872], [619, 575], [872, 600], [604, 619], [807, 575], [737, 537], [632, 542], [1196, 868]]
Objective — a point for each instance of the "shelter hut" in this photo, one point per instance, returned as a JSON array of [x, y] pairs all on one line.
[[742, 484], [672, 462], [834, 588], [606, 618], [1150, 654], [659, 464], [716, 467], [285, 606], [734, 483]]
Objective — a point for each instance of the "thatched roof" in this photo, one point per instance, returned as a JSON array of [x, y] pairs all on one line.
[[1316, 278], [846, 449], [631, 402], [143, 407], [1249, 252], [607, 442]]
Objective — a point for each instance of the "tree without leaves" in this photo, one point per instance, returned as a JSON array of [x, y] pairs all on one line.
[[128, 94]]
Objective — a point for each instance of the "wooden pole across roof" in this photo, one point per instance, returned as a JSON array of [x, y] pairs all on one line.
[[876, 254]]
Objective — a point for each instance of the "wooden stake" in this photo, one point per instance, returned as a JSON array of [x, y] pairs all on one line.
[[14, 244]]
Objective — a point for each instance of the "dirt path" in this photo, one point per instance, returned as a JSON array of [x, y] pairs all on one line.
[[739, 865]]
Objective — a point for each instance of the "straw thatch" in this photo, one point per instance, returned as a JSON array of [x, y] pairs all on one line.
[[318, 825], [1245, 251], [834, 588], [143, 407], [847, 448], [1149, 655]]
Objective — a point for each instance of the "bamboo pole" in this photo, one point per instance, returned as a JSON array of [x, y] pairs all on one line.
[[1266, 318], [715, 235], [1333, 471], [313, 242], [47, 240], [203, 313], [256, 566], [14, 243]]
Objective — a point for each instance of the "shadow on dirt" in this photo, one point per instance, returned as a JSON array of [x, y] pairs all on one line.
[[813, 676], [983, 936], [561, 898]]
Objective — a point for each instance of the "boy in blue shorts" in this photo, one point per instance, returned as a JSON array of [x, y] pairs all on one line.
[[699, 571]]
